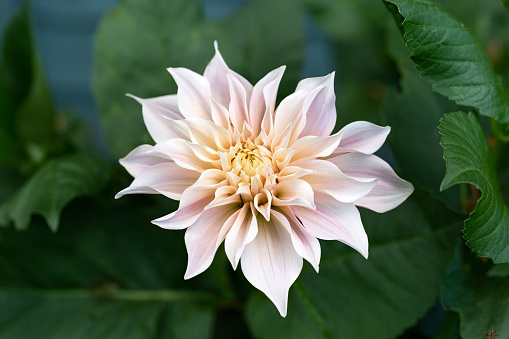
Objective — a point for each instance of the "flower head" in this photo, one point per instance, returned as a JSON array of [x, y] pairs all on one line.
[[266, 180]]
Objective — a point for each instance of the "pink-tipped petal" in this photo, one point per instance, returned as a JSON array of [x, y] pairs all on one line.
[[270, 262], [264, 97], [363, 137], [216, 73], [138, 160], [242, 232], [329, 178], [166, 178], [389, 191], [321, 109], [332, 220], [304, 243], [205, 235], [193, 93]]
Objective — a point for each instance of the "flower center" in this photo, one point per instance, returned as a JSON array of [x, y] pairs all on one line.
[[250, 161]]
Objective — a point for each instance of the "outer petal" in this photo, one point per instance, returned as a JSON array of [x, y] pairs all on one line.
[[138, 161], [328, 178], [321, 111], [156, 112], [193, 93], [332, 220], [271, 263], [389, 191], [293, 192], [363, 137], [238, 104], [186, 154], [304, 243], [216, 73], [242, 232], [205, 235], [264, 98], [166, 178]]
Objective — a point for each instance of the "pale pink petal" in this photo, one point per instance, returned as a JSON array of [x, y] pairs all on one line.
[[321, 109], [205, 235], [201, 132], [166, 178], [216, 73], [329, 178], [184, 154], [220, 115], [293, 192], [242, 232], [363, 137], [292, 111], [263, 202], [138, 160], [264, 98], [304, 243], [193, 93], [156, 112], [332, 220], [270, 262], [389, 191], [238, 104], [312, 146]]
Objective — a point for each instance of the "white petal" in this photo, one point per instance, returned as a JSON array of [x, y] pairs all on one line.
[[321, 110], [312, 146], [264, 97], [191, 206], [389, 191], [293, 192], [193, 93], [138, 161], [216, 73], [166, 178], [242, 232], [220, 115], [329, 178], [271, 263], [205, 235], [304, 243], [238, 104], [156, 112], [332, 220], [363, 137], [184, 154]]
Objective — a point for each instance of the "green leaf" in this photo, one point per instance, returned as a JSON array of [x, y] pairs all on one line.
[[500, 270], [410, 250], [121, 314], [54, 185], [468, 160], [106, 274], [482, 302], [449, 57], [26, 107]]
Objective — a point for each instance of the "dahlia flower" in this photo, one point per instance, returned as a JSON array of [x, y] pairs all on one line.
[[268, 181]]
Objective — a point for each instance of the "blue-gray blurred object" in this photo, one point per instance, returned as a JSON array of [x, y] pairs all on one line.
[[64, 34]]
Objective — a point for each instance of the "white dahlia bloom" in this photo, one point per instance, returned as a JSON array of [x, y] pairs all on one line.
[[267, 181]]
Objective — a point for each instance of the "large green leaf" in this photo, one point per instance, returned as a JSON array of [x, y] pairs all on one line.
[[449, 57], [105, 274], [139, 39], [410, 250], [26, 108], [468, 160], [482, 302], [55, 184]]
